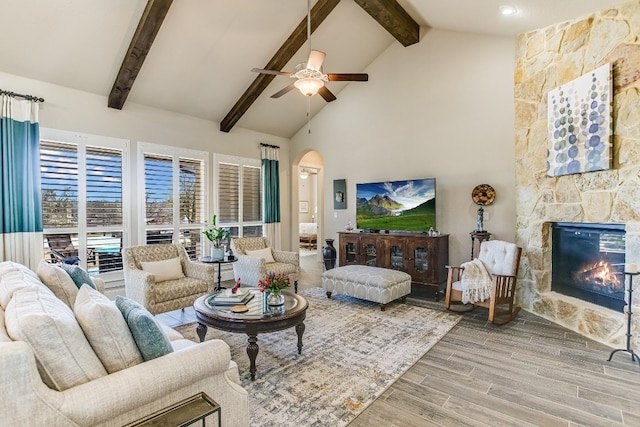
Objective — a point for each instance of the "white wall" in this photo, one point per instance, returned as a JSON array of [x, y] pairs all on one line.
[[442, 108]]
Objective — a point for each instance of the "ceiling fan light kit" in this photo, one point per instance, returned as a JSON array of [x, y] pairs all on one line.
[[308, 86]]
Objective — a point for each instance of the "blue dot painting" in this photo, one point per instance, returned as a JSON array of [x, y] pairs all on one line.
[[579, 124]]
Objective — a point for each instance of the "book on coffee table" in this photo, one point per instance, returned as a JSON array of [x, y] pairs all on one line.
[[225, 297]]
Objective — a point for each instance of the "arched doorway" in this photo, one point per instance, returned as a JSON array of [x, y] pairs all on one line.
[[309, 172]]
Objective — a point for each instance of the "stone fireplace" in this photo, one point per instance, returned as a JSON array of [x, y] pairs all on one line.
[[587, 262], [546, 59]]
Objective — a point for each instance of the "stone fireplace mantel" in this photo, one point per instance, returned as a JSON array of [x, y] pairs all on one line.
[[546, 59]]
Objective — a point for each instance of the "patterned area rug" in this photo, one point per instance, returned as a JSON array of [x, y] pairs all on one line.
[[352, 352]]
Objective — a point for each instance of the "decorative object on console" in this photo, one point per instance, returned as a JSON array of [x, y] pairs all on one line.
[[339, 194], [408, 205], [216, 236], [482, 195], [329, 255], [580, 122]]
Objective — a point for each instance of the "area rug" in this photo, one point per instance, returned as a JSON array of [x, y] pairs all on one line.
[[352, 352]]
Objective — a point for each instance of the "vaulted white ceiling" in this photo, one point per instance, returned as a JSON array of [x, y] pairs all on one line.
[[200, 62]]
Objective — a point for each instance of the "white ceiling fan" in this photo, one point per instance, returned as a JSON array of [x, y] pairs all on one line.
[[310, 78]]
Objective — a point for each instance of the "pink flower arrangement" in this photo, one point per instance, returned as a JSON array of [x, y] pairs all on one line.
[[274, 282]]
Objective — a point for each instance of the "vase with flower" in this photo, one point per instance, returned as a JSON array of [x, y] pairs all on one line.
[[216, 236], [274, 284]]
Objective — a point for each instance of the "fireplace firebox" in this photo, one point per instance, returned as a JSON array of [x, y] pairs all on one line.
[[588, 262]]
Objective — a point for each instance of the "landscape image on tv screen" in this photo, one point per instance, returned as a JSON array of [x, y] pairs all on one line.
[[396, 205]]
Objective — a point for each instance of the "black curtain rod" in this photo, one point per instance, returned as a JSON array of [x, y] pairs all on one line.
[[269, 145], [28, 97]]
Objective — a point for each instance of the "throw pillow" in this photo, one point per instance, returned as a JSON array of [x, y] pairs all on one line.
[[168, 269], [107, 331], [79, 275], [59, 281], [265, 254], [63, 355], [150, 339]]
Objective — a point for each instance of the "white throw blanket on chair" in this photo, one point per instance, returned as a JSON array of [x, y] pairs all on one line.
[[475, 282]]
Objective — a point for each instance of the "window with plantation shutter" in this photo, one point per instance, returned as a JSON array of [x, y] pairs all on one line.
[[174, 200], [83, 202], [238, 195]]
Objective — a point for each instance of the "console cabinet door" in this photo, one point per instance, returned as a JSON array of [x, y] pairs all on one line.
[[370, 251], [349, 249], [420, 260], [395, 254]]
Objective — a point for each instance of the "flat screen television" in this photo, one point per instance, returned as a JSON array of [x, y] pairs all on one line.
[[396, 205]]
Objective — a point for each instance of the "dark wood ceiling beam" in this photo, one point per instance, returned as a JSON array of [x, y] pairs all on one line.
[[148, 27], [394, 19], [296, 40]]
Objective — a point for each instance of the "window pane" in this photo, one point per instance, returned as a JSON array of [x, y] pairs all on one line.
[[59, 175], [61, 248], [158, 182], [251, 200], [159, 236], [191, 191], [104, 187], [228, 193], [252, 231], [104, 252], [191, 239]]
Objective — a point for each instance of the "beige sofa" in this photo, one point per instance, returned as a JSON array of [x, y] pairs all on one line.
[[107, 399]]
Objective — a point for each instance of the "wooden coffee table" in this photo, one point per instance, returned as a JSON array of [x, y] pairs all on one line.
[[259, 319]]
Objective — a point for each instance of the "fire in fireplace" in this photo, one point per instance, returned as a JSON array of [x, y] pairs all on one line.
[[588, 262]]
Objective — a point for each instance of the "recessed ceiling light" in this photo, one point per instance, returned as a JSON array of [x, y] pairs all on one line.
[[508, 10]]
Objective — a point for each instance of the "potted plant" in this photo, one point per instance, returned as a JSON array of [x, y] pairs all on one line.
[[216, 235]]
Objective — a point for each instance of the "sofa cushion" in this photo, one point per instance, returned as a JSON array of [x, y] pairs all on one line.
[[107, 331], [16, 278], [79, 275], [150, 339], [59, 281], [63, 354], [265, 254], [168, 269]]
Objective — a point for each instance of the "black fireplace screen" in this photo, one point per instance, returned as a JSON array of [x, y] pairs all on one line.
[[588, 262]]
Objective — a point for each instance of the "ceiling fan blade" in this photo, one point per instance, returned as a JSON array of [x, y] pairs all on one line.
[[326, 94], [273, 72], [281, 92], [348, 77], [316, 58]]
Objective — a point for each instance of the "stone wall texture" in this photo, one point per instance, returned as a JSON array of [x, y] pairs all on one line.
[[546, 59]]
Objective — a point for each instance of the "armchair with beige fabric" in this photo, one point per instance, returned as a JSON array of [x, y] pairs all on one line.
[[256, 258], [175, 289]]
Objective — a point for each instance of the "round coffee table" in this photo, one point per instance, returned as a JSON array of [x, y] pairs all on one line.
[[260, 318]]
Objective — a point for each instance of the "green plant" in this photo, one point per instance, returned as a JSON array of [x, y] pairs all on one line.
[[214, 233]]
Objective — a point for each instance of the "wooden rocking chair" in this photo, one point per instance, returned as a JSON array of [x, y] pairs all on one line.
[[502, 260]]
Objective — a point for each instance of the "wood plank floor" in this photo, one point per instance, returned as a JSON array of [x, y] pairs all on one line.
[[530, 372]]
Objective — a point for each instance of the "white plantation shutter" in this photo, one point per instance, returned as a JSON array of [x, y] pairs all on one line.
[[59, 175], [174, 199], [83, 203], [239, 205]]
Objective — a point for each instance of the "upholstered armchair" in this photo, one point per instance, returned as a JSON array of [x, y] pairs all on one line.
[[162, 278], [256, 259]]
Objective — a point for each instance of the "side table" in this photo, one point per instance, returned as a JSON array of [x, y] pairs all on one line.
[[209, 260], [184, 413], [481, 236], [629, 350]]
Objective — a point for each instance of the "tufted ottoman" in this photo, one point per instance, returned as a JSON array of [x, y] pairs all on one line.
[[375, 284]]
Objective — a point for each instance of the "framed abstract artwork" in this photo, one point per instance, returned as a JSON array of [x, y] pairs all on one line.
[[579, 124], [339, 194]]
